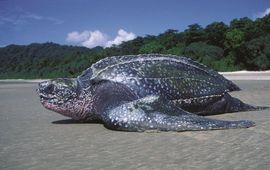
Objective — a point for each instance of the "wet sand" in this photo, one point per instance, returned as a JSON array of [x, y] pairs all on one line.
[[32, 137]]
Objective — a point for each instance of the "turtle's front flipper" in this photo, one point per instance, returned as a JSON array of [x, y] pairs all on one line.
[[156, 113]]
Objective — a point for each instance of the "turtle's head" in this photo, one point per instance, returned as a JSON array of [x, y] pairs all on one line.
[[63, 95]]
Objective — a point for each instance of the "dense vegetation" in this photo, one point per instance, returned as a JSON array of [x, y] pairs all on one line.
[[243, 44]]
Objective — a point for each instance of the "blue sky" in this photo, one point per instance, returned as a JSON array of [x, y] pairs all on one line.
[[107, 22]]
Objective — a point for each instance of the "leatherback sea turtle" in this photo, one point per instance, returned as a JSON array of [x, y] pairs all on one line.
[[146, 92]]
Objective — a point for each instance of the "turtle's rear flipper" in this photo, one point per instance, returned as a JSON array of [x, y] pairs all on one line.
[[156, 113], [228, 104]]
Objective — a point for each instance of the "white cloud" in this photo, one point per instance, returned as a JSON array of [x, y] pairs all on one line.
[[261, 14], [92, 39], [95, 38], [78, 37], [121, 37]]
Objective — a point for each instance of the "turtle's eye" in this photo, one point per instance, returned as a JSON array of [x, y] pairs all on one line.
[[49, 89]]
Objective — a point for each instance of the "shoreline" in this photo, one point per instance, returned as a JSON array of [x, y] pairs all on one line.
[[247, 75], [22, 80], [245, 72]]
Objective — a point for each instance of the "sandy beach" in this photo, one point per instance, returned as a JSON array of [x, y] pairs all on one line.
[[32, 137]]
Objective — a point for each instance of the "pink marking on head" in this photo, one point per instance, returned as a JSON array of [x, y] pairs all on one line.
[[57, 109]]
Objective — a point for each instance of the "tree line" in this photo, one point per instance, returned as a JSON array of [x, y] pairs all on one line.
[[243, 44]]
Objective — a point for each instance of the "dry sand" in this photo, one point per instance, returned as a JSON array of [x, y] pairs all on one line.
[[32, 137]]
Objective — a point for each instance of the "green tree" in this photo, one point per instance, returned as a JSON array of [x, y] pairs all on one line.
[[227, 63], [168, 39], [263, 25], [204, 53], [215, 33], [245, 25], [257, 54], [152, 47], [234, 38], [177, 50], [131, 47], [194, 33]]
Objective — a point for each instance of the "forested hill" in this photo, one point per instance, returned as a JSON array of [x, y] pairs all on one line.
[[242, 44], [42, 60]]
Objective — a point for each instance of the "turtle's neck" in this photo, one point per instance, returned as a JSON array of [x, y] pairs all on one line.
[[107, 95]]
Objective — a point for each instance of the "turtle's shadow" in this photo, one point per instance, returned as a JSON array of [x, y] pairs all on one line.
[[71, 121]]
